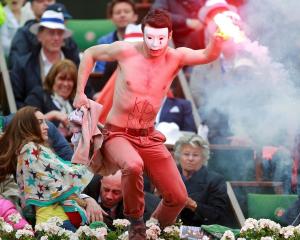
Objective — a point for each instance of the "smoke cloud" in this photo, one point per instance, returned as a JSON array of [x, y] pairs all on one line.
[[260, 97]]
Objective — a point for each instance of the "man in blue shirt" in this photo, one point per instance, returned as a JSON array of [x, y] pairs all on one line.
[[121, 13]]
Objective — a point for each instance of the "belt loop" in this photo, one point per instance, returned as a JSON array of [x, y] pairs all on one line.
[[126, 130]]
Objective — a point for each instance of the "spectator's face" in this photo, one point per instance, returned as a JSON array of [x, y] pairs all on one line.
[[63, 84], [43, 125], [156, 40], [15, 4], [191, 158], [111, 191], [39, 6], [51, 39], [122, 15]]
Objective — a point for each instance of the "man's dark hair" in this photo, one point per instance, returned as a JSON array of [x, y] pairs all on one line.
[[113, 3], [157, 18]]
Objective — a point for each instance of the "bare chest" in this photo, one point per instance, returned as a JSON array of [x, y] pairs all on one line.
[[147, 76]]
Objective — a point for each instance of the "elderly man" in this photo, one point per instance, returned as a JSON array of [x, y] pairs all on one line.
[[30, 70], [108, 193], [25, 41], [145, 72]]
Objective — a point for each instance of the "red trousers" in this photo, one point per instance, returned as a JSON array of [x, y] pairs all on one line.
[[137, 154]]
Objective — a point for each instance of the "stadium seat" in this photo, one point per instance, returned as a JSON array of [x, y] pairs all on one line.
[[87, 31], [266, 205]]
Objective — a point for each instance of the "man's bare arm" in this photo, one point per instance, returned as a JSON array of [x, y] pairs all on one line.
[[202, 56], [103, 52]]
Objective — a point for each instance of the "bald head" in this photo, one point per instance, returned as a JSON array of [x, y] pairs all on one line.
[[111, 191], [116, 178]]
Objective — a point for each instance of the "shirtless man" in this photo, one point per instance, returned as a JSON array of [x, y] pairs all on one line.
[[144, 75]]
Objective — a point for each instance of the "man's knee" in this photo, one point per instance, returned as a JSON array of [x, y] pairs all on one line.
[[133, 168], [176, 198], [182, 197]]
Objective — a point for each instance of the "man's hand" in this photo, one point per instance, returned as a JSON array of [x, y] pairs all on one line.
[[81, 100], [93, 210], [191, 204]]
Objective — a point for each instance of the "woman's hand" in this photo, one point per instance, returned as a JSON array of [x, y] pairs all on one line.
[[93, 210]]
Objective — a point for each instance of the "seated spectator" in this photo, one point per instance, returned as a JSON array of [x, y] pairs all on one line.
[[108, 193], [56, 98], [121, 13], [57, 142], [179, 111], [30, 70], [30, 9], [10, 202], [8, 210], [24, 152], [25, 42], [187, 29], [208, 201], [12, 23], [9, 190]]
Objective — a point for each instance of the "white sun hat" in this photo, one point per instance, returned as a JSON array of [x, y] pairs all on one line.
[[53, 20], [133, 33], [211, 5]]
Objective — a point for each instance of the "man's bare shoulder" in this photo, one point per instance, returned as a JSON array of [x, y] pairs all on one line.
[[174, 53], [127, 47]]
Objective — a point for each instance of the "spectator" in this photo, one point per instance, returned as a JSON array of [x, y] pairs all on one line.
[[187, 29], [208, 79], [108, 192], [26, 42], [8, 210], [9, 190], [56, 98], [12, 23], [57, 142], [121, 13], [30, 70], [179, 111], [23, 150], [207, 201], [31, 10]]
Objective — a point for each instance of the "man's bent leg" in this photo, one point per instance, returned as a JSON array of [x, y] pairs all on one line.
[[163, 172], [121, 152]]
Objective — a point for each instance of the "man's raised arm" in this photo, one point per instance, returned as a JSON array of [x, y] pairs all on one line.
[[103, 52], [202, 56]]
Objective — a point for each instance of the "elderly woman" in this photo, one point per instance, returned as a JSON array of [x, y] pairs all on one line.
[[56, 97], [208, 201]]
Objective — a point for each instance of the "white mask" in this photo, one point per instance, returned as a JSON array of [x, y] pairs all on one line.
[[156, 38]]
